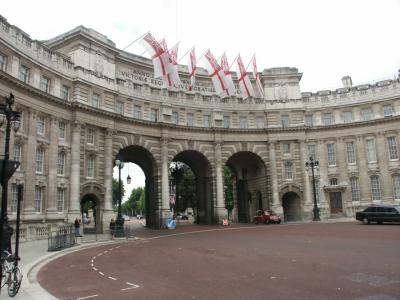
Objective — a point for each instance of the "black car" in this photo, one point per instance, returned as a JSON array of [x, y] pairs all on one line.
[[379, 214]]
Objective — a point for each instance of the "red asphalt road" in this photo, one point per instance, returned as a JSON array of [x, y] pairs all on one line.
[[294, 261]]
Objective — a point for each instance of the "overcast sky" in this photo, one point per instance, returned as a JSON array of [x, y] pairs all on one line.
[[325, 40]]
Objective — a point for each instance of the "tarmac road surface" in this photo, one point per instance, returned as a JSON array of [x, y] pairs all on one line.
[[287, 261]]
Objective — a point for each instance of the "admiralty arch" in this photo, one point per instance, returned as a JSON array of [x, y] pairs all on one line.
[[83, 102]]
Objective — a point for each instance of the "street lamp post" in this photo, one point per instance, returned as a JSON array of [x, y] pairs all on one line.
[[312, 164], [12, 118], [120, 220]]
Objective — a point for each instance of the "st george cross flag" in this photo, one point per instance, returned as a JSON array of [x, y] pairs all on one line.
[[192, 69], [257, 77], [171, 79], [244, 82], [230, 87], [216, 72], [160, 57]]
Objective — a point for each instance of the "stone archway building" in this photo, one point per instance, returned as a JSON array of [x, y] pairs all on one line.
[[83, 101]]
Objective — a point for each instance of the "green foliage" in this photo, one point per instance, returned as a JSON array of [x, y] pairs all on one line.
[[185, 190], [115, 192], [228, 188], [135, 203]]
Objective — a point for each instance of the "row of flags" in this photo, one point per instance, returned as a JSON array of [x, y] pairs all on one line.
[[165, 62]]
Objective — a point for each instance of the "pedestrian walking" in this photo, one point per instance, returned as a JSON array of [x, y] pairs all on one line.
[[112, 227], [77, 225]]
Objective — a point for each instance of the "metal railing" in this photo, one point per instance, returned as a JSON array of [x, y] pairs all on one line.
[[61, 239]]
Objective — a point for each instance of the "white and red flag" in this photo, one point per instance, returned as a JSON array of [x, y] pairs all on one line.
[[230, 87], [160, 57], [171, 79], [192, 69], [244, 82], [257, 77], [216, 72]]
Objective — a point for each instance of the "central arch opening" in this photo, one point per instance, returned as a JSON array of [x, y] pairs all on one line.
[[197, 177], [250, 185]]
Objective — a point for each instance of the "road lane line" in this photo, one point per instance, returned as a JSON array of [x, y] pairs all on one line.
[[112, 278], [87, 297], [132, 286], [94, 268], [101, 273]]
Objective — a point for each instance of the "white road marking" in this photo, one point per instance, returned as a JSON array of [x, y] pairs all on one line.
[[112, 278], [87, 297], [101, 273], [132, 286], [100, 254], [105, 251], [94, 268]]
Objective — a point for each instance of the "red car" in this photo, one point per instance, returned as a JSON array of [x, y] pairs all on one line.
[[266, 216]]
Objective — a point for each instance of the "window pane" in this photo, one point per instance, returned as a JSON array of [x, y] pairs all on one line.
[[311, 151], [243, 122], [61, 130], [392, 147], [189, 119], [65, 92], [137, 112], [331, 155], [174, 117], [95, 100], [309, 120], [260, 122], [396, 186], [371, 150], [388, 110], [375, 188], [227, 121], [285, 120], [14, 197], [351, 154]]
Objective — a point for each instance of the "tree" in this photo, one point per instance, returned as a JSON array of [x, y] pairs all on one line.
[[115, 192], [228, 189], [135, 202]]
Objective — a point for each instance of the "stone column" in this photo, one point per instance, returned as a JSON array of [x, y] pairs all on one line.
[[30, 171], [220, 210], [363, 179], [385, 179], [107, 211], [165, 211], [74, 201], [322, 170], [276, 205], [52, 159], [308, 203]]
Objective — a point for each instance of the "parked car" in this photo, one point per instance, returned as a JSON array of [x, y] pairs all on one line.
[[379, 214], [266, 216], [182, 216]]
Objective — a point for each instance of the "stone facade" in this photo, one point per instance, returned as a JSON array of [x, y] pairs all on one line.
[[83, 101]]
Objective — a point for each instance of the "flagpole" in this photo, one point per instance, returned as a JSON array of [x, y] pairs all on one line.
[[136, 40], [185, 54], [250, 61], [233, 61]]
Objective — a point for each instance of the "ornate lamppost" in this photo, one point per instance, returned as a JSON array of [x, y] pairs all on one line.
[[312, 164], [8, 167], [120, 220]]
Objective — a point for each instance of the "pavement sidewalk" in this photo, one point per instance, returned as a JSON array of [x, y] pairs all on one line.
[[34, 255]]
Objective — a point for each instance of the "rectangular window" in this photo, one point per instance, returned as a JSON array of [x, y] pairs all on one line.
[[243, 122], [174, 117], [39, 160], [90, 136], [355, 189], [351, 153], [331, 154], [65, 92], [189, 119], [206, 120], [327, 119], [288, 170], [286, 148], [375, 188], [3, 62], [23, 74], [154, 115], [311, 151], [333, 181], [38, 198], [309, 121], [285, 121], [14, 198], [61, 130], [388, 110], [347, 116], [366, 114], [137, 112], [90, 167], [260, 121], [392, 147], [60, 199], [96, 100], [17, 152], [119, 107], [371, 150], [45, 84], [61, 163], [40, 124], [227, 121], [396, 186]]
